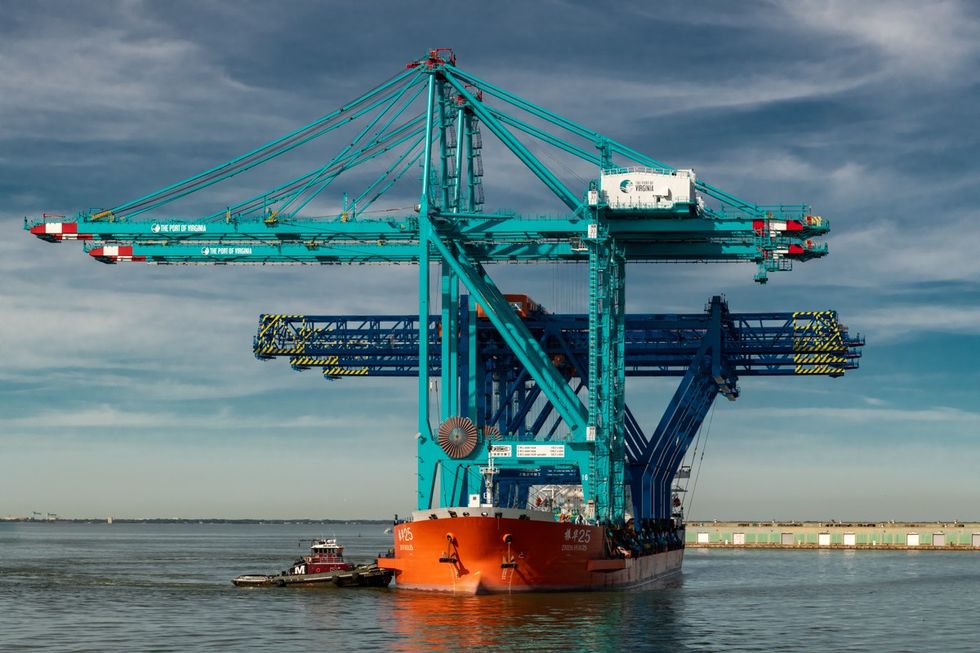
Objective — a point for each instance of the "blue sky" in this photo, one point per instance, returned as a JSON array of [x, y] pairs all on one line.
[[131, 390]]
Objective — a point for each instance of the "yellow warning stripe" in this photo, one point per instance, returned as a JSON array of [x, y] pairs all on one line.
[[818, 369], [818, 327], [817, 344], [813, 314], [314, 361], [814, 359], [269, 322], [274, 350], [817, 331], [273, 319], [345, 371]]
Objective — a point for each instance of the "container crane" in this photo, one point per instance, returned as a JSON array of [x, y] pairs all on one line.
[[433, 115]]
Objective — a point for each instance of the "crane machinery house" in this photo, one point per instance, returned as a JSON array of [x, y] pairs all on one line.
[[645, 188]]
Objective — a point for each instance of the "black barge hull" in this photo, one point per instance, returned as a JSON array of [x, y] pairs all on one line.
[[367, 576]]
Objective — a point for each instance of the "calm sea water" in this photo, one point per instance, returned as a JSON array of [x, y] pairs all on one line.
[[129, 587]]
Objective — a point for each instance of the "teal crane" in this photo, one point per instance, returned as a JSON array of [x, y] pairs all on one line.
[[432, 117]]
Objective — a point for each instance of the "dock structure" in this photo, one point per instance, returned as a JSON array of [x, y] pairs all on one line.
[[888, 535]]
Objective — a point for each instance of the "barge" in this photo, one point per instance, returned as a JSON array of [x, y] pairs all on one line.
[[324, 566]]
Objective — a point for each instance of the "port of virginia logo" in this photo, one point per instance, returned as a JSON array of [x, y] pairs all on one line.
[[628, 186]]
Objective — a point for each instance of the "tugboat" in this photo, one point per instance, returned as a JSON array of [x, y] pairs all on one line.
[[325, 566]]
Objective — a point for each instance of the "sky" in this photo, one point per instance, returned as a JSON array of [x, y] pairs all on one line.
[[132, 391]]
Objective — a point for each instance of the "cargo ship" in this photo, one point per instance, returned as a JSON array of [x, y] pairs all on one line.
[[550, 545], [500, 550]]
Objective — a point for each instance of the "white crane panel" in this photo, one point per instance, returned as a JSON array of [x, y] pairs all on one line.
[[644, 188]]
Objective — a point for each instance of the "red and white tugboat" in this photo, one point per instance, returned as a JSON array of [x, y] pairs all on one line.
[[325, 556], [325, 565]]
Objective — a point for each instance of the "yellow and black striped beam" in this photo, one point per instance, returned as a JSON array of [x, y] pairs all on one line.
[[832, 370], [314, 361], [818, 359], [339, 370], [817, 331], [269, 324]]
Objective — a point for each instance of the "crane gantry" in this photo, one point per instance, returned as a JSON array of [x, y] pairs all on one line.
[[736, 344], [432, 117]]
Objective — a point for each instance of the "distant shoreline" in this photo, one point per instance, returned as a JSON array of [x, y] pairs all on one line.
[[188, 520]]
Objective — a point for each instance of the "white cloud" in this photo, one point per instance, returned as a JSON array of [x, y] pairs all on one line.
[[931, 40], [346, 424], [888, 254], [114, 81], [866, 44], [863, 415], [893, 323], [615, 100]]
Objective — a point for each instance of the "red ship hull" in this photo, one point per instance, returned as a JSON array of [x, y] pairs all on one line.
[[476, 554]]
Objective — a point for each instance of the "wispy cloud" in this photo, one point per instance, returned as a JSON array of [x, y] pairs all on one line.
[[104, 417], [112, 80], [884, 253], [938, 40], [895, 323], [874, 414]]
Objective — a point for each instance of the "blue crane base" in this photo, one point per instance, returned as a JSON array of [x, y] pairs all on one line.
[[708, 350]]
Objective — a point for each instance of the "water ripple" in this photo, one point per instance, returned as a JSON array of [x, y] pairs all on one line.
[[166, 588]]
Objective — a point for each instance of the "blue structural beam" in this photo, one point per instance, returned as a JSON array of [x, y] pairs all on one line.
[[754, 344], [653, 462], [709, 350]]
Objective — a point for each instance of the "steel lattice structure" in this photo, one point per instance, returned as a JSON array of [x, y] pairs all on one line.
[[710, 350], [433, 116]]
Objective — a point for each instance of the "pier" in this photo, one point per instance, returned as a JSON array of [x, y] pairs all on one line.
[[889, 535]]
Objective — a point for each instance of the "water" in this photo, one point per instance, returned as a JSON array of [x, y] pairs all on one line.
[[134, 587]]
